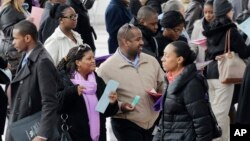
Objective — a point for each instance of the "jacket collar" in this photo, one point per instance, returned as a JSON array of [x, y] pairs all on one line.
[[25, 71], [48, 5], [124, 63], [119, 2], [36, 51], [60, 35], [187, 74]]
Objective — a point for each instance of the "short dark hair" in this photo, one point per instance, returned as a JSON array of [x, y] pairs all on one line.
[[172, 19], [209, 2], [145, 12], [26, 27], [57, 10]]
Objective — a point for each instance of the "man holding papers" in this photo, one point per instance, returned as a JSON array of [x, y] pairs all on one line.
[[136, 72]]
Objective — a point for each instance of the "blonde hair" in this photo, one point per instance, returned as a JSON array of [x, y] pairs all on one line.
[[15, 4]]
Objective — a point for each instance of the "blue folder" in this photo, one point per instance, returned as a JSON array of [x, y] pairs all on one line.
[[103, 103]]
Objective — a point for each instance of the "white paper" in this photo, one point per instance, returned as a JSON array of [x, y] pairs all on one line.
[[202, 65], [244, 26], [7, 72]]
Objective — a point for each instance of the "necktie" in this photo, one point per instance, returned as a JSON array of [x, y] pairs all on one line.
[[24, 61]]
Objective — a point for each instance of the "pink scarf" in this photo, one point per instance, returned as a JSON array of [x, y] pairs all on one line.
[[89, 96], [171, 77]]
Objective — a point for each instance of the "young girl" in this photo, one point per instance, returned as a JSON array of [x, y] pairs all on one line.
[[200, 26]]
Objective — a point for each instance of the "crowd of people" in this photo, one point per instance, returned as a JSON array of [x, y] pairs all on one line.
[[153, 56]]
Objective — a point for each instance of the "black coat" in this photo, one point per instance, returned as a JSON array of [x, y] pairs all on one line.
[[3, 111], [47, 24], [216, 44], [47, 28], [74, 105], [9, 16], [164, 41], [83, 26], [116, 15], [3, 98], [185, 114], [34, 89], [149, 46], [243, 112], [134, 6], [193, 13], [156, 4]]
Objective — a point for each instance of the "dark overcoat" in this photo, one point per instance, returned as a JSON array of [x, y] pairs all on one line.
[[34, 89]]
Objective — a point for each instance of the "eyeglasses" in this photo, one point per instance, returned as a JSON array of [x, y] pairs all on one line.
[[129, 26], [82, 47], [72, 17], [176, 30]]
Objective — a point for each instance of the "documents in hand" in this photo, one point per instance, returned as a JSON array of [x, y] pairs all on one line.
[[244, 26], [154, 94], [26, 128], [202, 65], [103, 103], [202, 42]]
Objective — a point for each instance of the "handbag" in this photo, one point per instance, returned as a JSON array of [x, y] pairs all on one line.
[[25, 129], [230, 66], [65, 136]]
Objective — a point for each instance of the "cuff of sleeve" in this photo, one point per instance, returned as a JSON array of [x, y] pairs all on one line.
[[42, 138], [119, 104]]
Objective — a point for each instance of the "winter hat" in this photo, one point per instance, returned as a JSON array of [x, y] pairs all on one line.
[[172, 19], [221, 7]]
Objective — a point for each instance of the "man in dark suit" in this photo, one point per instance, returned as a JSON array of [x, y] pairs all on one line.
[[34, 87]]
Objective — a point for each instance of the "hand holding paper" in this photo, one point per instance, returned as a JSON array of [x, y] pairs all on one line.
[[103, 103], [112, 97], [154, 94], [201, 66], [202, 42]]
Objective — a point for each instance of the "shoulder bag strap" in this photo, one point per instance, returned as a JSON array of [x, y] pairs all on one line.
[[227, 42]]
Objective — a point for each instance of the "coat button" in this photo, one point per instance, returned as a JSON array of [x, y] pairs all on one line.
[[21, 82]]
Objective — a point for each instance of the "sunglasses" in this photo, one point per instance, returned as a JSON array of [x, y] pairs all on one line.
[[128, 28], [72, 17], [176, 30], [82, 47]]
